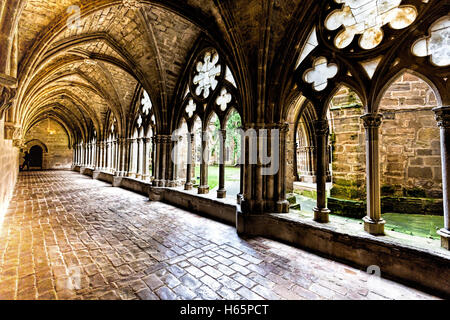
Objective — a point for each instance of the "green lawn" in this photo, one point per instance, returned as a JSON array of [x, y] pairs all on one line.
[[231, 174], [414, 224]]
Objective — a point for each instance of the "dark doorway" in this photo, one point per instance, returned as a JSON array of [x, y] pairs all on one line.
[[36, 157]]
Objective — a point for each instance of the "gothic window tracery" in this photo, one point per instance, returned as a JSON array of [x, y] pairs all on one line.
[[437, 45], [366, 18], [207, 71], [211, 87]]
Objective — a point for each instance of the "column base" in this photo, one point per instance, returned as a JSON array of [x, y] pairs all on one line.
[[203, 190], [282, 206], [221, 193], [161, 183], [445, 238], [171, 184], [374, 227], [321, 215], [188, 186]]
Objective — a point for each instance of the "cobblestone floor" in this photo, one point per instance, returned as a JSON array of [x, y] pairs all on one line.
[[66, 236]]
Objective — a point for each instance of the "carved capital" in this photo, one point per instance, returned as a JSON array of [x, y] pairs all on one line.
[[7, 95], [372, 120], [321, 127], [12, 132], [443, 116]]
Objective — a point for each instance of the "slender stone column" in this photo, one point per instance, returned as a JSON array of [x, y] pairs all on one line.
[[102, 156], [133, 156], [145, 160], [222, 192], [162, 162], [98, 156], [282, 203], [443, 119], [157, 162], [373, 222], [140, 157], [321, 212], [153, 153], [190, 143], [204, 188], [107, 155]]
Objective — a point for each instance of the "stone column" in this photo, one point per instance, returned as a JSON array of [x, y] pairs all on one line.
[[222, 192], [282, 203], [373, 222], [190, 144], [102, 157], [204, 188], [133, 156], [140, 157], [165, 160], [153, 153], [443, 119], [321, 212], [156, 161], [145, 160], [116, 152], [108, 155], [172, 143]]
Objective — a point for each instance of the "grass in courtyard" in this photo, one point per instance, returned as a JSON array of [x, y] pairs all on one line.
[[413, 224], [231, 174]]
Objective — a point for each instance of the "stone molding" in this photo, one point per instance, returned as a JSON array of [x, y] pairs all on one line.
[[443, 116], [372, 120]]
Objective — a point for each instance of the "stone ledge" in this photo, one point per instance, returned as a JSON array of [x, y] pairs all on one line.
[[103, 176], [87, 171], [426, 268], [138, 186], [220, 209]]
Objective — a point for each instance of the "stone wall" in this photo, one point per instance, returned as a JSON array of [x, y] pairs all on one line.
[[348, 146], [409, 143], [8, 168], [59, 156]]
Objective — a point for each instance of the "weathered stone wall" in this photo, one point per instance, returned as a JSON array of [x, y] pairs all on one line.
[[409, 143], [59, 156], [8, 168], [348, 145]]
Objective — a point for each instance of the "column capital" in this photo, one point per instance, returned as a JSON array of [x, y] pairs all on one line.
[[321, 127], [443, 116], [7, 95], [372, 120]]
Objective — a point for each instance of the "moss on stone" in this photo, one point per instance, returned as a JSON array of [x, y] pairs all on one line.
[[415, 192]]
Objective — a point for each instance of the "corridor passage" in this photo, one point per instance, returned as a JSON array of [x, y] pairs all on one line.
[[66, 236]]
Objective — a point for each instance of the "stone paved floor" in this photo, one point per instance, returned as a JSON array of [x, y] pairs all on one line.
[[66, 236]]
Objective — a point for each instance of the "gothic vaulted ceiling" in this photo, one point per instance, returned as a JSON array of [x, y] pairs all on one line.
[[85, 62]]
